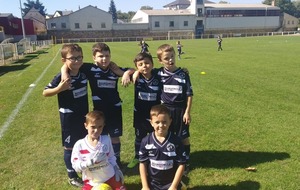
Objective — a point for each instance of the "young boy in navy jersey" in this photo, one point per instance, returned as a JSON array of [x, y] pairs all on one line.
[[146, 95], [104, 86], [72, 102], [162, 155], [176, 94]]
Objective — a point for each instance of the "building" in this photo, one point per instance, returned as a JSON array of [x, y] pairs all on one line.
[[77, 21], [12, 27], [39, 21]]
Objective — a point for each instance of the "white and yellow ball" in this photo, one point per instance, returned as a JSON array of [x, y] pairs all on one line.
[[102, 186]]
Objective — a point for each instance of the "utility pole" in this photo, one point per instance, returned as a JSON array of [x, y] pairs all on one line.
[[22, 21]]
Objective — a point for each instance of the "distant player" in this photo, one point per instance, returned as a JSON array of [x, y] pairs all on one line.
[[219, 40], [144, 47], [179, 49], [162, 155]]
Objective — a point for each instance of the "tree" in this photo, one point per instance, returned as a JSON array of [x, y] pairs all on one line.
[[146, 8], [223, 2], [126, 17], [113, 11], [286, 6], [36, 4]]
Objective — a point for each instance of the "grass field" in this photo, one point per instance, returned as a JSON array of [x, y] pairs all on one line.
[[245, 113]]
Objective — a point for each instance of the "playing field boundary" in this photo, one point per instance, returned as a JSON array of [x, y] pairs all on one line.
[[14, 113]]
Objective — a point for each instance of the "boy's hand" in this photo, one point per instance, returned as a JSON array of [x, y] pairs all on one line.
[[135, 76], [126, 79], [118, 174], [186, 118], [64, 85]]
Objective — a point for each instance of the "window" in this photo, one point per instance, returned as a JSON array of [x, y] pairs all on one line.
[[89, 25], [53, 25], [77, 25], [156, 24], [171, 24], [185, 23], [103, 25], [63, 25]]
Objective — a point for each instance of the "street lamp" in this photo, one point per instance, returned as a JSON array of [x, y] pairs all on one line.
[[22, 21]]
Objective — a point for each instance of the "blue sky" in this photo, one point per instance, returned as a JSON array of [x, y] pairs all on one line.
[[13, 6]]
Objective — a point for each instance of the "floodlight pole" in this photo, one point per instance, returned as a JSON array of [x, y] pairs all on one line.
[[22, 21]]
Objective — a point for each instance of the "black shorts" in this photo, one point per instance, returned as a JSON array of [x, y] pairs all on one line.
[[178, 127], [73, 129], [141, 125], [113, 119]]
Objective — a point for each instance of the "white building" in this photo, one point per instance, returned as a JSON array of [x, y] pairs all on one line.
[[86, 19]]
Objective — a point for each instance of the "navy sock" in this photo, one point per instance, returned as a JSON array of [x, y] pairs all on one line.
[[67, 158]]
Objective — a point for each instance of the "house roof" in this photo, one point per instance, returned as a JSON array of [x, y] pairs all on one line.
[[240, 6], [178, 2], [159, 12], [5, 14]]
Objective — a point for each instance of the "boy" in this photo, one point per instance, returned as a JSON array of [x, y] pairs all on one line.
[[179, 49], [147, 94], [176, 95], [219, 40], [162, 155], [72, 102], [104, 86], [94, 156]]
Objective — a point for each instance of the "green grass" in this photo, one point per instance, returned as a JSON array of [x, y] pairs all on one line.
[[245, 113]]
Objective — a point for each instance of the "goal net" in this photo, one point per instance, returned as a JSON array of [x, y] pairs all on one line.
[[180, 34]]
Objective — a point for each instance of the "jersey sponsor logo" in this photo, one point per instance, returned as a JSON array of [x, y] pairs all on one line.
[[173, 89], [147, 96], [80, 92], [106, 84], [161, 164]]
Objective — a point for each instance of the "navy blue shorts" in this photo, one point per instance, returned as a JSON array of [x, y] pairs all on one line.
[[178, 127], [141, 125], [113, 120], [72, 126]]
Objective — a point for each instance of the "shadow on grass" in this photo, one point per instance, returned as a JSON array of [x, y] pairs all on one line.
[[6, 69], [229, 159], [243, 185], [21, 63]]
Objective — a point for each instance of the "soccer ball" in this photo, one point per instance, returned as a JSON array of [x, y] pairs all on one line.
[[102, 186]]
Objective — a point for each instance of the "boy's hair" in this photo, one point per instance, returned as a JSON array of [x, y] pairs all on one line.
[[159, 109], [164, 48], [142, 56], [99, 47], [94, 116], [67, 48]]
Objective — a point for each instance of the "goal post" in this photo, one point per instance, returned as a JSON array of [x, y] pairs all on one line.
[[180, 34]]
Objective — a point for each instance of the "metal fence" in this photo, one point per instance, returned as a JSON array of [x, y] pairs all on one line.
[[14, 51]]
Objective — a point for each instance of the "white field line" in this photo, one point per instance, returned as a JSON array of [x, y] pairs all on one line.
[[14, 113]]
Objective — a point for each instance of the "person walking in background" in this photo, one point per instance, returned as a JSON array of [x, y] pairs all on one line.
[[219, 40], [72, 98], [179, 49]]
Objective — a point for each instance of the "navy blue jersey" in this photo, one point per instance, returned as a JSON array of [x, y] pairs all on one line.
[[162, 159], [73, 106], [176, 87], [74, 100], [103, 83], [147, 94]]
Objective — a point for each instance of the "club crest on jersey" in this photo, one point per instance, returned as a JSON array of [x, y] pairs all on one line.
[[182, 75], [104, 148], [155, 82], [171, 147]]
